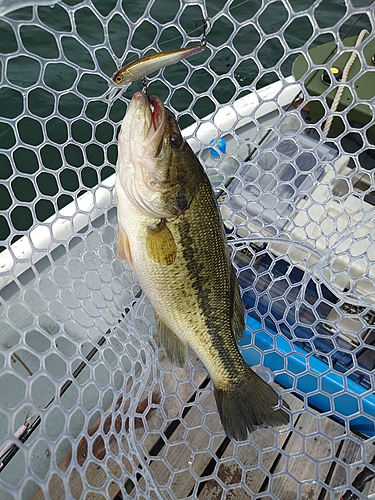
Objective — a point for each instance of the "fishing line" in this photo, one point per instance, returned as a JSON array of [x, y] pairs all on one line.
[[188, 33], [129, 69], [196, 29]]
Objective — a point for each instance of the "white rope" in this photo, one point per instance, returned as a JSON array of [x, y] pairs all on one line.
[[344, 78]]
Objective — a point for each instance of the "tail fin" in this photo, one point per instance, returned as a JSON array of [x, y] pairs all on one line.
[[247, 403]]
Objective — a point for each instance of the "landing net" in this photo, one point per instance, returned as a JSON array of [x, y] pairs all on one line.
[[89, 406]]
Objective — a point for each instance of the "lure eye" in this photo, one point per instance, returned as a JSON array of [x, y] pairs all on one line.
[[118, 79], [176, 141]]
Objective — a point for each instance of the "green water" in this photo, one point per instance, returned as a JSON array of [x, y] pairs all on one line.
[[81, 142]]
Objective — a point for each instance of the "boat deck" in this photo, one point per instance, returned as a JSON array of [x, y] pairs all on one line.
[[308, 459]]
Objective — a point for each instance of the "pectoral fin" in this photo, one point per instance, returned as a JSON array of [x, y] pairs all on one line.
[[174, 348], [123, 249], [160, 244], [237, 309]]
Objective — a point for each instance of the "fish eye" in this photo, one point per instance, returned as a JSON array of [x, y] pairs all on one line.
[[176, 141], [118, 78]]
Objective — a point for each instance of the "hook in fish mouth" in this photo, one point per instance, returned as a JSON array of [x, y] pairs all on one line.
[[145, 87]]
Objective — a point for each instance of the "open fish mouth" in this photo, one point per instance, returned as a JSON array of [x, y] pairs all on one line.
[[157, 125]]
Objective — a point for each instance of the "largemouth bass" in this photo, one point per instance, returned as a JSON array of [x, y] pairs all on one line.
[[171, 234]]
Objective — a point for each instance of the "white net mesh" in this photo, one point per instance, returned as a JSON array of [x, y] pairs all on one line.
[[107, 416]]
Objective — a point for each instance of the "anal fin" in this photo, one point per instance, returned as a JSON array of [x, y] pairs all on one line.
[[174, 348], [160, 244]]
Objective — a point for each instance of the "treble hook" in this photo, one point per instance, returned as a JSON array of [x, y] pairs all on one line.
[[145, 88], [204, 34]]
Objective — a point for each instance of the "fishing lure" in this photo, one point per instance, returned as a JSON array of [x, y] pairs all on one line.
[[138, 69]]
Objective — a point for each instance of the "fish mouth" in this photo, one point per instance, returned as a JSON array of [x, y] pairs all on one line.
[[157, 125], [150, 120]]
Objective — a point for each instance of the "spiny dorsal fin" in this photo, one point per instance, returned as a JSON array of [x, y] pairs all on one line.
[[160, 244], [174, 348]]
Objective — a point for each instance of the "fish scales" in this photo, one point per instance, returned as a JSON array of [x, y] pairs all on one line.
[[205, 276], [171, 233], [195, 290]]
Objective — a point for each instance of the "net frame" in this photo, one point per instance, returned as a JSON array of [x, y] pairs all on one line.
[[67, 300]]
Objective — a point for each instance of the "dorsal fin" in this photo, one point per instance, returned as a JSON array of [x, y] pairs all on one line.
[[237, 307]]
